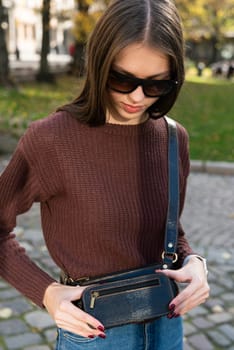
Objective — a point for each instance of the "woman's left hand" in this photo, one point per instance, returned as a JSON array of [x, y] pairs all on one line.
[[197, 290]]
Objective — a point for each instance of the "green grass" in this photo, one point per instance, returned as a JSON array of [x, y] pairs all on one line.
[[205, 107], [32, 101]]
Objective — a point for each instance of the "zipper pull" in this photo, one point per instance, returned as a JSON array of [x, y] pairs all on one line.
[[94, 296]]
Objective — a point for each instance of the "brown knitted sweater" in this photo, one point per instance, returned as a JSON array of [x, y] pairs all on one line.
[[103, 195]]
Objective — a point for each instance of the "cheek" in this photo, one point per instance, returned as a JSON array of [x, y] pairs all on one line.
[[151, 101], [114, 96], [113, 101]]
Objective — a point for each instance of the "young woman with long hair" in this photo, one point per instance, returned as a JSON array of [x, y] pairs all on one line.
[[98, 167]]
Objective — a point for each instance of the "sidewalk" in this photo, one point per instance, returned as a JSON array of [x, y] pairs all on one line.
[[26, 68], [208, 219]]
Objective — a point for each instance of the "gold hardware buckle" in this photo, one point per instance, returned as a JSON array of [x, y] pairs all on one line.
[[173, 255], [70, 281]]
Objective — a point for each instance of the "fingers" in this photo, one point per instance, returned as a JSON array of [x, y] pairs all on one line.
[[75, 320], [58, 302], [190, 297], [194, 294], [177, 275]]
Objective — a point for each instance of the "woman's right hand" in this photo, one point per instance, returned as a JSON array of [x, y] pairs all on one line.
[[58, 302]]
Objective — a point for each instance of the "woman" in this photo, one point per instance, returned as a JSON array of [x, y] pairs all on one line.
[[98, 166]]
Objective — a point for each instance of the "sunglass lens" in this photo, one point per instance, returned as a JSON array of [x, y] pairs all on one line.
[[158, 88], [120, 85], [121, 82], [152, 88]]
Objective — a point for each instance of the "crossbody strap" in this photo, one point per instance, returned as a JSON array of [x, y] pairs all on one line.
[[171, 231]]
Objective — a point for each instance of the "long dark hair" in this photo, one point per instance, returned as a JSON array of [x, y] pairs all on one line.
[[155, 22]]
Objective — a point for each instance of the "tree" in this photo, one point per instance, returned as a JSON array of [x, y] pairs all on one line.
[[44, 73], [88, 11], [207, 19], [4, 60]]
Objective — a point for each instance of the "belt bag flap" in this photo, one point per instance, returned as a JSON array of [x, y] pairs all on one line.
[[121, 275], [131, 300]]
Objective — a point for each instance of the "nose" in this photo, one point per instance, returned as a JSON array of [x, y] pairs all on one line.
[[137, 95]]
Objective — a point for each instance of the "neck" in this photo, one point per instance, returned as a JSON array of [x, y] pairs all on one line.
[[118, 119]]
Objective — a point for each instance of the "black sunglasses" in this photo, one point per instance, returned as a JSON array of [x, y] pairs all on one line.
[[126, 84]]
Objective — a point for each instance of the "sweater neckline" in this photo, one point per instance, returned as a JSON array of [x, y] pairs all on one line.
[[128, 130]]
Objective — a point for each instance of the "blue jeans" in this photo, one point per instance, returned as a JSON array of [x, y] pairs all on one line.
[[161, 334]]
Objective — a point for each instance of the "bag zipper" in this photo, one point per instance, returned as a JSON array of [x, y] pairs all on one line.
[[115, 290]]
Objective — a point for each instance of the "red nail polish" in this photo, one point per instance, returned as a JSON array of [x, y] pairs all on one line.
[[91, 336], [103, 336], [172, 314], [172, 307], [101, 328]]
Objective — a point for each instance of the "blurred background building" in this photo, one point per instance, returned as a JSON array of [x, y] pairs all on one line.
[[23, 26], [208, 28]]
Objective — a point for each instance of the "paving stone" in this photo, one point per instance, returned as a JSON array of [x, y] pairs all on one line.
[[5, 313], [39, 347], [200, 341], [39, 319], [212, 302], [189, 329], [226, 283], [228, 330], [220, 318], [27, 246], [231, 310], [187, 346], [22, 340], [228, 297], [18, 305], [33, 235], [202, 323], [3, 284], [199, 310], [19, 231], [47, 261], [216, 290], [7, 143], [229, 268], [217, 309], [31, 223], [219, 339], [51, 335], [36, 255], [13, 326], [8, 293]]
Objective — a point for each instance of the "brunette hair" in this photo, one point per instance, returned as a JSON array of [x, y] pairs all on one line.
[[154, 22]]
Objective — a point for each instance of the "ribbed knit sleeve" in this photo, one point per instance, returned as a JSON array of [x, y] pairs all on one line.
[[20, 186]]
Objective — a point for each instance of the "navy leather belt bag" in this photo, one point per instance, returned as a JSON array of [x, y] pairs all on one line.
[[140, 294]]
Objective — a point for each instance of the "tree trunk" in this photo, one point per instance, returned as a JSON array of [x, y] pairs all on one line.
[[82, 5], [78, 59], [215, 38], [215, 51], [77, 67], [4, 60], [44, 74]]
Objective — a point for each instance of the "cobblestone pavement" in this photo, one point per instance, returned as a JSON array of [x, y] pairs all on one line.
[[208, 220]]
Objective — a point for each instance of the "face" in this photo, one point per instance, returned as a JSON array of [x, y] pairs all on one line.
[[138, 61]]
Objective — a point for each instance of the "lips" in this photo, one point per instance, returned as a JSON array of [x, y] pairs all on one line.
[[132, 109]]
